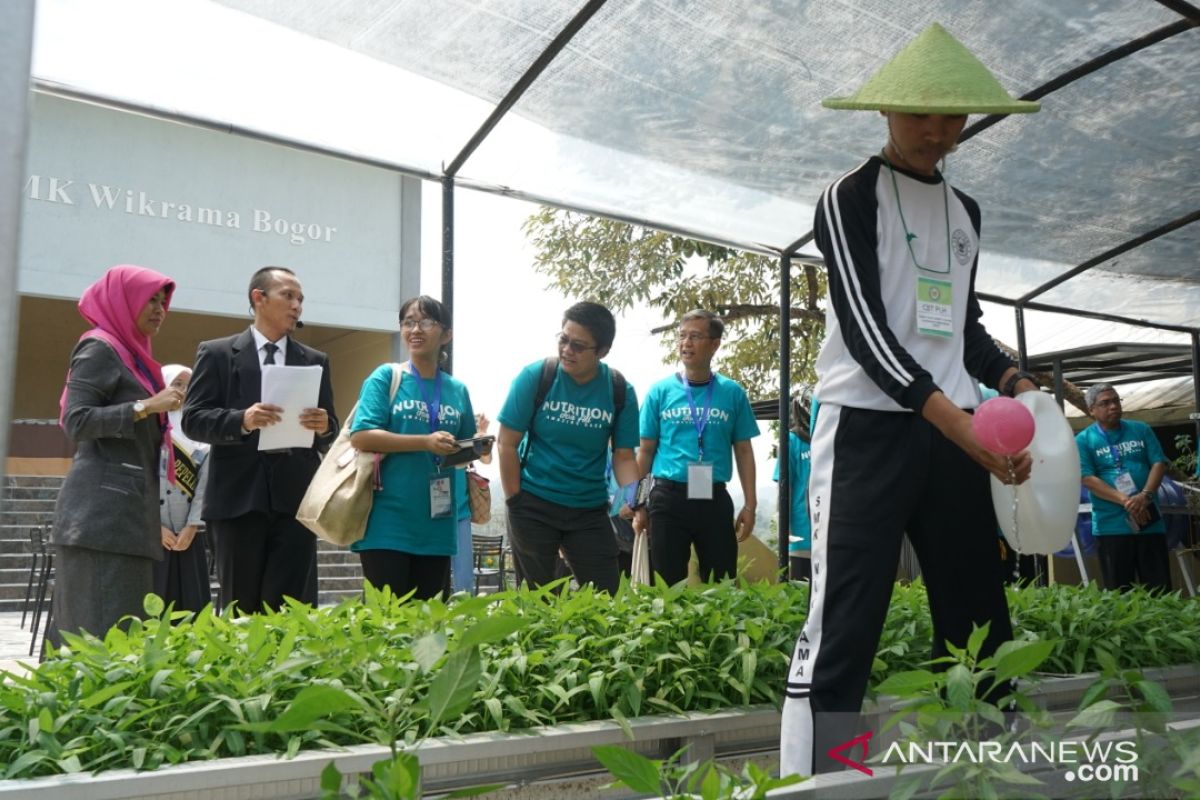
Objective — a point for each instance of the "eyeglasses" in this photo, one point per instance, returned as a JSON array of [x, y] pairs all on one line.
[[1112, 401], [574, 345], [426, 324], [692, 336]]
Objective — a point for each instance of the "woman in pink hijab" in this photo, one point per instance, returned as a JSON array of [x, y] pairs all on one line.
[[114, 407]]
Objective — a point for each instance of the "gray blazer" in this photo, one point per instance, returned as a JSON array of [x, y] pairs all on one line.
[[109, 500]]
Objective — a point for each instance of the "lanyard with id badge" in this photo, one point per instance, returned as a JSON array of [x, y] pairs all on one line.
[[1124, 481], [935, 300], [441, 483], [699, 473]]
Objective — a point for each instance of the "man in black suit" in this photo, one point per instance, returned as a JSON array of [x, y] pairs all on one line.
[[263, 553]]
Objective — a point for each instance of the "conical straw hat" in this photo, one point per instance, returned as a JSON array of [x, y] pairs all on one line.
[[933, 74]]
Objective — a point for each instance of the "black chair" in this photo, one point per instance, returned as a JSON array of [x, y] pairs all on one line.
[[489, 563], [39, 544], [45, 595]]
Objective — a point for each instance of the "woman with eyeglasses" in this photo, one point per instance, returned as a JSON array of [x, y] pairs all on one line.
[[555, 429], [412, 530]]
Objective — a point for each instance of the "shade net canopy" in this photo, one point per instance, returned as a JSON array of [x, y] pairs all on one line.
[[701, 117]]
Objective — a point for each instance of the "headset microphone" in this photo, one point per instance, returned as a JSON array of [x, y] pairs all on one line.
[[299, 324]]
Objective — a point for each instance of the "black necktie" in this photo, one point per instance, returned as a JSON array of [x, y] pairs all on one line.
[[271, 349]]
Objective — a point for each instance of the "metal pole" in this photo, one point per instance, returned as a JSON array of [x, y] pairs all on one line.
[[16, 47], [1022, 350], [785, 405], [1196, 392], [1058, 383], [448, 258]]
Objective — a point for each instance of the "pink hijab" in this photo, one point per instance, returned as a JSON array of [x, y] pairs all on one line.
[[112, 304]]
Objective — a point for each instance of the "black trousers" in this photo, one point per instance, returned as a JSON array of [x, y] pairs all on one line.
[[538, 529], [263, 557], [425, 576], [1134, 558], [677, 524], [877, 475], [799, 568]]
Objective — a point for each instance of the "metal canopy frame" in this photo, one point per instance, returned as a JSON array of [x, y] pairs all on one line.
[[1189, 18]]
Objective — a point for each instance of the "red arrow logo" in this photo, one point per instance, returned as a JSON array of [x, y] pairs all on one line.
[[836, 752]]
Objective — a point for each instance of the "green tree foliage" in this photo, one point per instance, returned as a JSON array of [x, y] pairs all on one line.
[[623, 266]]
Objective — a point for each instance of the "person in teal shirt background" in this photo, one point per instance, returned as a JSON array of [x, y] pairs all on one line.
[[799, 469], [552, 464], [697, 422], [1123, 464], [412, 530]]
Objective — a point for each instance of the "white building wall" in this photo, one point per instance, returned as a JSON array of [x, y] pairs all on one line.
[[105, 187]]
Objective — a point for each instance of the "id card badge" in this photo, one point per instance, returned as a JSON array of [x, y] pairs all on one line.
[[700, 481], [441, 495], [1125, 484], [935, 308]]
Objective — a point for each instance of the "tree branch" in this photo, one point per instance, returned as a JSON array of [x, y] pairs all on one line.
[[730, 313]]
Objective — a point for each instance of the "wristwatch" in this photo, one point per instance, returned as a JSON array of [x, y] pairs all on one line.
[[139, 410], [1009, 389]]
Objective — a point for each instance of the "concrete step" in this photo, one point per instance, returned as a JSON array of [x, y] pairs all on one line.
[[27, 481], [9, 493], [343, 583], [330, 571], [25, 505], [333, 597]]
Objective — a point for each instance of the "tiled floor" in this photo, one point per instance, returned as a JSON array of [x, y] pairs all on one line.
[[14, 642]]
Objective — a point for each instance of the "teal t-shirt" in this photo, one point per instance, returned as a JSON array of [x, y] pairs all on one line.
[[1106, 454], [799, 469], [667, 419], [399, 517], [569, 444]]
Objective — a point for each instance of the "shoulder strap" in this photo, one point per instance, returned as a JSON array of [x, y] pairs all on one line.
[[620, 390], [397, 375], [545, 381]]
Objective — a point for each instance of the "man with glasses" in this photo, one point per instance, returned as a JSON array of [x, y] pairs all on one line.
[[1123, 465], [555, 431], [694, 425]]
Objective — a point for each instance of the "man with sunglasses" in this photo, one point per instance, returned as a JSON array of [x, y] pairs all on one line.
[[555, 431], [1123, 465], [694, 425]]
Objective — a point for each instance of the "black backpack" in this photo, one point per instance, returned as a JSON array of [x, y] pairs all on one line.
[[546, 380]]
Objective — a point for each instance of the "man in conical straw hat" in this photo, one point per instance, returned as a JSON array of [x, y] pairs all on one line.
[[893, 450]]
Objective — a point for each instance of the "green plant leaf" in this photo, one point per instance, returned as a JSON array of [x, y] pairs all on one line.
[[331, 780], [153, 605], [1155, 695], [491, 629], [428, 649], [976, 639], [1017, 659], [1097, 716], [960, 689], [453, 686], [309, 705], [909, 683], [632, 769]]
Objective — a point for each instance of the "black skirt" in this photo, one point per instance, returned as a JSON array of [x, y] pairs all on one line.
[[182, 576]]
